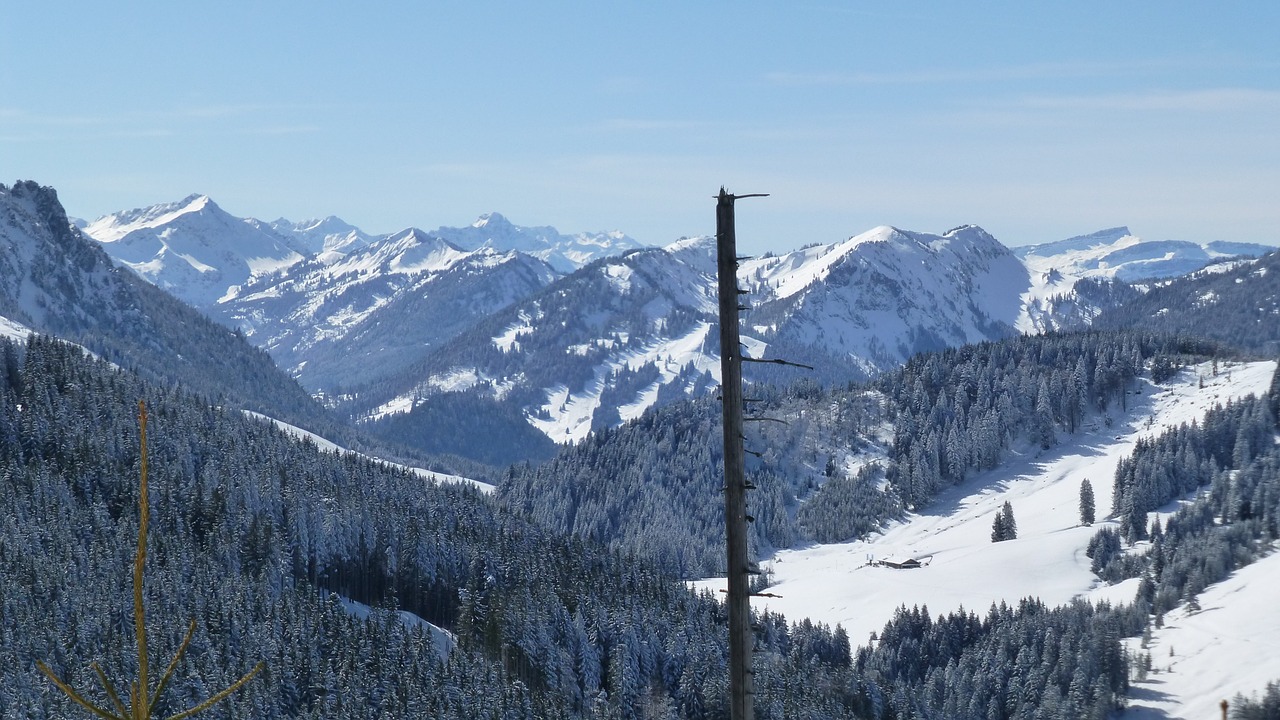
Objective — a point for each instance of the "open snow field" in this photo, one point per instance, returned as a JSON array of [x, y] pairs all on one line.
[[835, 584]]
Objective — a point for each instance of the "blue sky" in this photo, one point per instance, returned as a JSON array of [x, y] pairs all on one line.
[[1035, 121]]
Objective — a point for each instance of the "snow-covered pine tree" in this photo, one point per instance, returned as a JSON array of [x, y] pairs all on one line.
[[1086, 503]]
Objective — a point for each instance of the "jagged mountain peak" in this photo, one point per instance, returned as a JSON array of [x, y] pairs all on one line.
[[113, 227], [565, 253], [330, 236], [42, 200], [327, 224], [193, 248], [492, 221]]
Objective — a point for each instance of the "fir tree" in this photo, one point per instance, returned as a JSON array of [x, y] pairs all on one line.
[[1004, 527], [1010, 525], [1086, 503]]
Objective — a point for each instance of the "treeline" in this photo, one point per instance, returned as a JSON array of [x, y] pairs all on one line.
[[651, 488], [1266, 707], [1192, 456], [1233, 519], [251, 527]]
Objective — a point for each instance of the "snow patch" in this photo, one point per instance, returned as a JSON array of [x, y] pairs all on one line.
[[443, 640], [328, 446], [13, 330]]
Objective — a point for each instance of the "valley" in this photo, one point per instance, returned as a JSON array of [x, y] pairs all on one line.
[[938, 402]]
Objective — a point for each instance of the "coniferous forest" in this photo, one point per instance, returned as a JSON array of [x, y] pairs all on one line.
[[255, 535]]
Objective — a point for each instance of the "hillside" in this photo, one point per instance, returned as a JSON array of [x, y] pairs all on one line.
[[964, 569], [334, 570], [836, 463], [56, 281], [1238, 305]]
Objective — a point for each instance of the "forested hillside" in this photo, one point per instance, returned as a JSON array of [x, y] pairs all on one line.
[[1239, 307], [251, 528], [652, 486]]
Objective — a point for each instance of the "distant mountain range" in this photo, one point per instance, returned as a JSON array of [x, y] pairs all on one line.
[[1118, 254], [201, 254], [572, 333], [340, 320]]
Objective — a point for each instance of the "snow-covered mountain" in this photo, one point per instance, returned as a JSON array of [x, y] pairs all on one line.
[[362, 317], [565, 253], [192, 248], [621, 335], [1119, 254], [590, 350], [1237, 303], [201, 254], [56, 281], [382, 324], [328, 237], [624, 334], [880, 297], [1115, 254]]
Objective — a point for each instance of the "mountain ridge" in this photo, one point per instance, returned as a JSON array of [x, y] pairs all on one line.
[[59, 282], [379, 325]]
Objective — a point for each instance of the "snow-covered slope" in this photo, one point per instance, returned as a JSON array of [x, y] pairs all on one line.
[[887, 294], [13, 330], [1226, 648], [1112, 254], [326, 445], [836, 584], [593, 349], [364, 316], [329, 237], [565, 253], [1119, 254], [192, 248]]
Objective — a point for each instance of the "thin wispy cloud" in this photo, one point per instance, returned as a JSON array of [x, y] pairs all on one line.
[[283, 130], [132, 117], [1037, 71], [644, 125], [1206, 100]]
